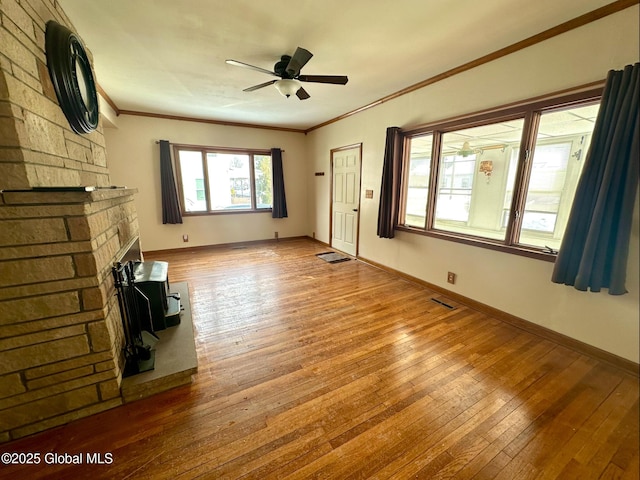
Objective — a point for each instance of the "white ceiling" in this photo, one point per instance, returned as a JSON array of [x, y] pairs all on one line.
[[168, 56]]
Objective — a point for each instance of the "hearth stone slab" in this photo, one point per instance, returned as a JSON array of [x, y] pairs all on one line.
[[176, 359]]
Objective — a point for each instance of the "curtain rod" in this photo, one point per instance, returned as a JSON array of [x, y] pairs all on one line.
[[224, 148]]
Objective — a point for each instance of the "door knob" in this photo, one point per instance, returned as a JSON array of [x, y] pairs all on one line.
[[355, 209]]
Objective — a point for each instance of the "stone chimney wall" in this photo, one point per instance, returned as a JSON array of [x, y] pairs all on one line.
[[60, 329]]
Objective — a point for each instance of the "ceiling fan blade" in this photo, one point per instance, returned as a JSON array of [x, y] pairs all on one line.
[[262, 85], [302, 94], [252, 67], [334, 79], [299, 60]]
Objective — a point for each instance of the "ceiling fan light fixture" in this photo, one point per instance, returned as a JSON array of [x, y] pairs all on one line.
[[288, 87], [467, 150], [288, 70]]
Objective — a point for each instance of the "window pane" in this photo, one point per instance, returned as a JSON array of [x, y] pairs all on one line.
[[192, 175], [417, 190], [264, 185], [558, 157], [229, 181], [475, 181]]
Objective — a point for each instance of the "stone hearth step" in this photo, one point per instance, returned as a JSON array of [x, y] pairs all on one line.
[[175, 356]]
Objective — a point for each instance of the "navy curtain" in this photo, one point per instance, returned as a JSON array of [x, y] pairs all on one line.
[[170, 205], [279, 209], [390, 187], [595, 246]]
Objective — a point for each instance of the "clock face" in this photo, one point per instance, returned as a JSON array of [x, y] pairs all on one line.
[[72, 77]]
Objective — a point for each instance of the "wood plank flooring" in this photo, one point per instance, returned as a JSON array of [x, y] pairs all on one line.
[[343, 371]]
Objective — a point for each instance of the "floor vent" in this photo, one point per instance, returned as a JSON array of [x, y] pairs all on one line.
[[440, 302]]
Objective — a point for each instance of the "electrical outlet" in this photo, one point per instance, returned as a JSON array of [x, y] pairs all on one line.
[[451, 277], [185, 238]]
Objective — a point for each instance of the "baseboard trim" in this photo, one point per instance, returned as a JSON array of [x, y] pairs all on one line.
[[622, 363], [320, 242], [223, 245]]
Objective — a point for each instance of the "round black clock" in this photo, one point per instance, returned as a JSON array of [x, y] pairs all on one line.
[[72, 78]]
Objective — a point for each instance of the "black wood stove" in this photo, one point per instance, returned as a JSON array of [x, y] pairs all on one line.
[[146, 306]]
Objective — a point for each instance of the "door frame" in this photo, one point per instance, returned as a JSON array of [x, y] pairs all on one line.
[[331, 152]]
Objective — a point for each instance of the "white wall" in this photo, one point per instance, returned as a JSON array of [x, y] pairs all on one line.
[[517, 285], [134, 160]]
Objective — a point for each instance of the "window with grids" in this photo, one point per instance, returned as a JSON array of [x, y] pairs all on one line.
[[505, 179], [216, 180]]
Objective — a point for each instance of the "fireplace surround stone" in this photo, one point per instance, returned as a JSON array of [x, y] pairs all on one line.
[[60, 329]]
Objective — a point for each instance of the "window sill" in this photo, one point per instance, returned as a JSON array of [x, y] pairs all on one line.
[[483, 243], [225, 212]]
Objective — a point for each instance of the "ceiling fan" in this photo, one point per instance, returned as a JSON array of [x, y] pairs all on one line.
[[288, 69]]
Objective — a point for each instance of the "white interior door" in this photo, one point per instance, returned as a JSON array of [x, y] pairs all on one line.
[[345, 200]]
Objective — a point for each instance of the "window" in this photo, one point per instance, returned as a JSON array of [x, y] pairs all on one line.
[[505, 180], [417, 191], [216, 180]]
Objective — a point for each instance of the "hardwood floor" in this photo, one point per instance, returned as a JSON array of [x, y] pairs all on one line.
[[316, 370]]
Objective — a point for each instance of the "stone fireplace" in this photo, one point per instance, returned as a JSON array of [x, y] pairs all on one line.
[[60, 329]]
